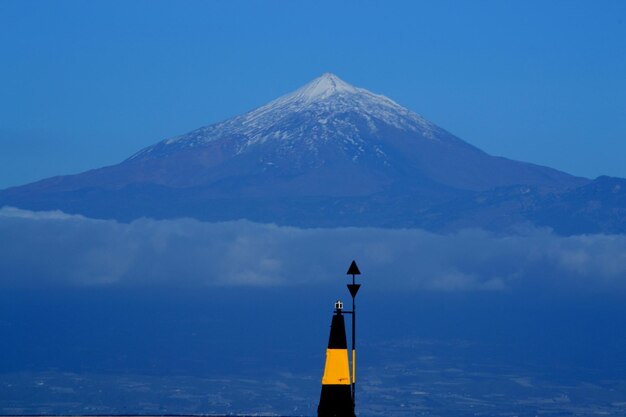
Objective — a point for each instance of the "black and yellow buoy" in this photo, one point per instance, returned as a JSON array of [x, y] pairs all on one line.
[[338, 396]]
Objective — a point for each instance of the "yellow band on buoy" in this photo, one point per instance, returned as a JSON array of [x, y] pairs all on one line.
[[337, 369]]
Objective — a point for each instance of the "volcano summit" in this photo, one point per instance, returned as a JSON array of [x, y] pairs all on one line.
[[329, 154]]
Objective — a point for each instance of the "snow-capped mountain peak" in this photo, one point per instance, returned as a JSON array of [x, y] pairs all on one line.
[[324, 87], [332, 93], [326, 110]]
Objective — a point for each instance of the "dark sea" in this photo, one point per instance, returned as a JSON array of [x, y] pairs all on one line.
[[229, 351]]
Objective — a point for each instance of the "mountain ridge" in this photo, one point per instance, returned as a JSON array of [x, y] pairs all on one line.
[[350, 153]]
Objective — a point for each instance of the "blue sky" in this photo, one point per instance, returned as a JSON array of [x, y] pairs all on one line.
[[86, 84]]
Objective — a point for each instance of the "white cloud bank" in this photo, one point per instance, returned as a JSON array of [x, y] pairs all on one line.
[[41, 249]]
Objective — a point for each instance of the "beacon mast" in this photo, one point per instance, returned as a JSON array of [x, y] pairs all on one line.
[[353, 288]]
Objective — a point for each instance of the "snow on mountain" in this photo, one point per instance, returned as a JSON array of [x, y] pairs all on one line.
[[326, 109]]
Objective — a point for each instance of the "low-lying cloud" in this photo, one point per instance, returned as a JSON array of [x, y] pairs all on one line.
[[55, 249]]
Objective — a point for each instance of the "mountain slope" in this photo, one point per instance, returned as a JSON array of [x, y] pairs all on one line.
[[328, 154]]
